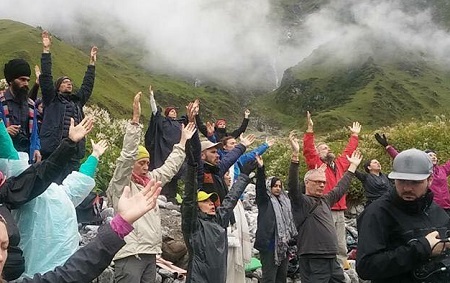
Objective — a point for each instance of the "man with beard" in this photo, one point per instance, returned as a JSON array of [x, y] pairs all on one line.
[[403, 235], [18, 111], [315, 156], [61, 104]]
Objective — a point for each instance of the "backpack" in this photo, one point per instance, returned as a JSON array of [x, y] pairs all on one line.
[[88, 212]]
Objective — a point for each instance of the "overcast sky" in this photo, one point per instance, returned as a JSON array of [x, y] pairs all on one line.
[[200, 37]]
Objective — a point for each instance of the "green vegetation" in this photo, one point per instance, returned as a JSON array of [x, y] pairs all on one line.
[[375, 93], [117, 80], [421, 135]]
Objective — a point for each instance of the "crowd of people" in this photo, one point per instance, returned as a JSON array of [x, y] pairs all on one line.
[[403, 231]]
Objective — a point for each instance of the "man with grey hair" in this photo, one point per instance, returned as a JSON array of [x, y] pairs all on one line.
[[403, 236], [317, 239], [318, 154]]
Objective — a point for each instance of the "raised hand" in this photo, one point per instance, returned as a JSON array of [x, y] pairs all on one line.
[[210, 129], [46, 41], [37, 72], [354, 160], [136, 108], [191, 112], [187, 132], [381, 139], [259, 160], [322, 167], [249, 166], [293, 140], [248, 140], [196, 106], [246, 113], [132, 207], [270, 141], [78, 132], [150, 89], [309, 122], [93, 57], [355, 129], [99, 148]]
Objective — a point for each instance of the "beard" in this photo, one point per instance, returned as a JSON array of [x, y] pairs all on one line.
[[328, 158], [20, 93]]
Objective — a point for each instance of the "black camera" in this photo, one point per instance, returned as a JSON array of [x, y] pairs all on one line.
[[21, 141], [436, 269]]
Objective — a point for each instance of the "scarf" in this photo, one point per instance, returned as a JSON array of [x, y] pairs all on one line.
[[286, 229], [141, 180]]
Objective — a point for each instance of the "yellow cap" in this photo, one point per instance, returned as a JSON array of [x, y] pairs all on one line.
[[202, 196], [142, 153]]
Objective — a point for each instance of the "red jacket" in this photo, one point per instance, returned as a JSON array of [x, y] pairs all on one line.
[[341, 164]]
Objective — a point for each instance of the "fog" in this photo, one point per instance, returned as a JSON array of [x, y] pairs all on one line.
[[241, 42]]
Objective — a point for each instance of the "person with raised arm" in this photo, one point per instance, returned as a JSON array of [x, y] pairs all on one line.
[[317, 240], [89, 261], [21, 183], [162, 134], [62, 104], [275, 225], [320, 153], [439, 186], [217, 131], [136, 261], [42, 219], [204, 222]]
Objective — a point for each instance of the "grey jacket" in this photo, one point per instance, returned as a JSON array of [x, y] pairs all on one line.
[[317, 234]]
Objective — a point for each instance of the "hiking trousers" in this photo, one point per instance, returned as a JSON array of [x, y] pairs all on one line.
[[321, 270], [136, 269], [272, 273]]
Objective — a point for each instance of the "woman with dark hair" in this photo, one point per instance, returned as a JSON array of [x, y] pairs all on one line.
[[374, 182], [275, 226]]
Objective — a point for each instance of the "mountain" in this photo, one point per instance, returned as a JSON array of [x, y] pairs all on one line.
[[380, 83], [118, 77]]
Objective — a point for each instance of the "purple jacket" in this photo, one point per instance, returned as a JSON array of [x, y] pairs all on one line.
[[439, 185]]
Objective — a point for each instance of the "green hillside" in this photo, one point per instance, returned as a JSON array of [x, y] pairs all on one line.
[[376, 93], [117, 78]]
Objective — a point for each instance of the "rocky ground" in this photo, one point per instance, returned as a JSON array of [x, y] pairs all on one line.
[[175, 251]]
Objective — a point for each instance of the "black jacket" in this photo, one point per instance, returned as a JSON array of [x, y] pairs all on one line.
[[19, 114], [58, 109], [265, 234], [18, 190], [374, 186], [219, 134], [206, 235], [316, 233], [213, 175], [391, 237], [88, 262], [162, 133]]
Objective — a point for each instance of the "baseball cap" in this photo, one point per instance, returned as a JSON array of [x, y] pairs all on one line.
[[202, 196], [411, 164], [208, 144]]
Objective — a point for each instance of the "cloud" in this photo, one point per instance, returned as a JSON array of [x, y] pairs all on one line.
[[239, 40]]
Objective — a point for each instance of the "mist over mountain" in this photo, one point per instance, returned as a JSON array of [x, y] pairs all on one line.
[[249, 43]]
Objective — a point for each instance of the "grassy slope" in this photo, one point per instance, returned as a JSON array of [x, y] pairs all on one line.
[[117, 80], [374, 94]]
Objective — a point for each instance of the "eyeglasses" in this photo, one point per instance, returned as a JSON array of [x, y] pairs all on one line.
[[318, 182]]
